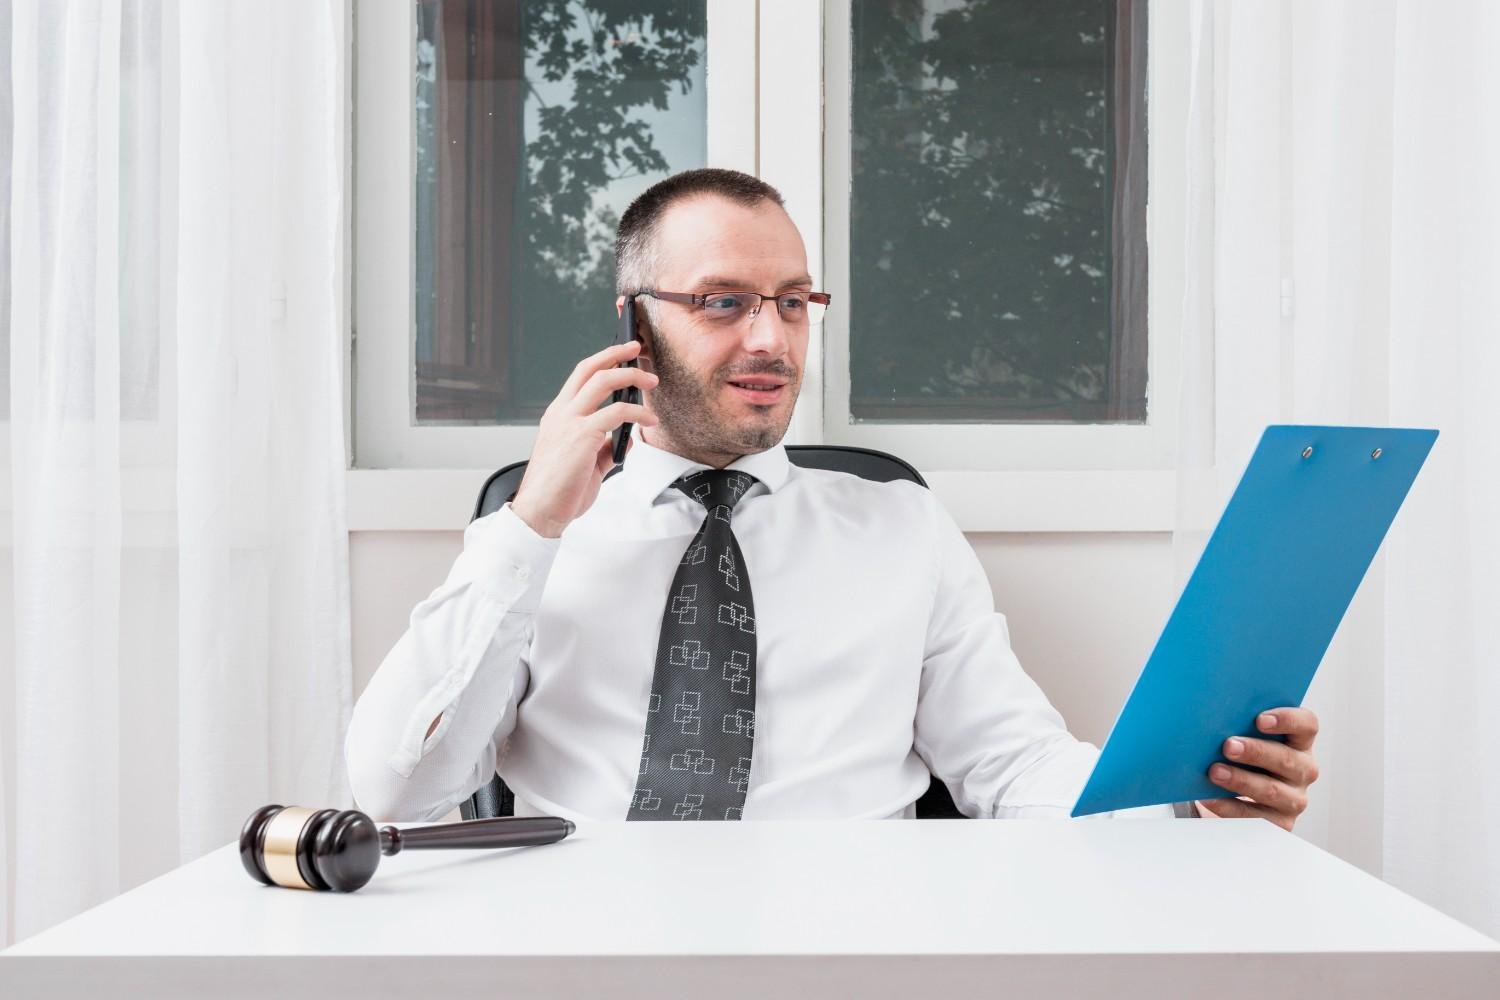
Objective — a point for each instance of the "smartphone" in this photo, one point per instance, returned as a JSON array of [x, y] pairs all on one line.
[[632, 393]]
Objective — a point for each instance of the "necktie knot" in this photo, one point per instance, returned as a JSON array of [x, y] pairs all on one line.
[[716, 487]]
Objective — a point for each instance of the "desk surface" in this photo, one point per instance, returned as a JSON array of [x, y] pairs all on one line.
[[1115, 907]]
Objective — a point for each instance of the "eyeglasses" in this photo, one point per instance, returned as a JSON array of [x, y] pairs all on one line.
[[728, 308]]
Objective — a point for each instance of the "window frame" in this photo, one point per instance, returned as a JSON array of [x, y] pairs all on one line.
[[992, 477]]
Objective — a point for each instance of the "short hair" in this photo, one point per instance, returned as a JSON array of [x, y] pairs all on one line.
[[636, 253]]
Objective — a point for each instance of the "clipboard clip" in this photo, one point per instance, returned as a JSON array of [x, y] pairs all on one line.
[[1307, 452]]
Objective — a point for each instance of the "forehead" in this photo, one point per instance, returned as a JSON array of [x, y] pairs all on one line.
[[711, 236]]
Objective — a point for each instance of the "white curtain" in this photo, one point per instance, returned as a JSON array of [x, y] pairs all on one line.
[[179, 602], [1344, 267]]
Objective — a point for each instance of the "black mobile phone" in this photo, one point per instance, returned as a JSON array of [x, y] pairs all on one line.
[[632, 393]]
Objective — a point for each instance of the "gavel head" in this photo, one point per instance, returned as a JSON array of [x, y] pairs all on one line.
[[310, 849]]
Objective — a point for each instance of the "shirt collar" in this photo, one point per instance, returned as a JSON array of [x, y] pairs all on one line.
[[648, 471]]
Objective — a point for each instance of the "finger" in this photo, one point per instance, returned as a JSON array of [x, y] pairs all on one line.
[[615, 414], [610, 357], [1295, 766], [1299, 725], [1240, 809], [603, 382], [1268, 791]]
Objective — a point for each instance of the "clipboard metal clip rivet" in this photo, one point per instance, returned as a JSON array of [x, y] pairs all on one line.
[[1307, 452], [1375, 453]]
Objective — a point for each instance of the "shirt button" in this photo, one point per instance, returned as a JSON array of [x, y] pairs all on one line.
[[522, 572]]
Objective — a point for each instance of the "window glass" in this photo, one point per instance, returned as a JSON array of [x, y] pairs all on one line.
[[997, 215], [536, 123]]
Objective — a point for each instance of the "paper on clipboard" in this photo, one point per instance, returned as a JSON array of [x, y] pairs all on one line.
[[1260, 609]]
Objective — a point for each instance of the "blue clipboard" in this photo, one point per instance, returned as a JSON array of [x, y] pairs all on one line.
[[1260, 609]]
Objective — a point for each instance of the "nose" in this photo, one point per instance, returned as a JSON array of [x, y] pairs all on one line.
[[767, 332]]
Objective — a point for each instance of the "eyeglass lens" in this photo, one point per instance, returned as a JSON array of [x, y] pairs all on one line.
[[729, 307]]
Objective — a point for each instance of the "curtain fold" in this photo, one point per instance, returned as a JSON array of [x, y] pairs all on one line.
[[1341, 269], [262, 536], [65, 455], [176, 447], [1442, 630]]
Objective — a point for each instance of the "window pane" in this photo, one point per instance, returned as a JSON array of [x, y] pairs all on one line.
[[536, 123], [997, 242]]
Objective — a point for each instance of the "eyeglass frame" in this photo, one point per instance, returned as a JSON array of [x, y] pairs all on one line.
[[690, 299]]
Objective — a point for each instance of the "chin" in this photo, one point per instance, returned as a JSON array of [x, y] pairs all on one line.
[[765, 439]]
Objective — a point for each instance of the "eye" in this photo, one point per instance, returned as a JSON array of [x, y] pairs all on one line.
[[723, 304], [792, 302]]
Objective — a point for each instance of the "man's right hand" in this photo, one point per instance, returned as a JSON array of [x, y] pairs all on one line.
[[575, 441]]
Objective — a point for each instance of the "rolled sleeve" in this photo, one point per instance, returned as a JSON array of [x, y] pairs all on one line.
[[464, 656]]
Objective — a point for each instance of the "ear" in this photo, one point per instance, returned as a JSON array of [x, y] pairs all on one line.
[[619, 306], [645, 360]]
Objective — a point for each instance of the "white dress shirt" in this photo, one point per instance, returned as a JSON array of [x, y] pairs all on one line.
[[880, 657]]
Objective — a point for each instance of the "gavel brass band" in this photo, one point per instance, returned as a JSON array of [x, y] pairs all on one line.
[[339, 850]]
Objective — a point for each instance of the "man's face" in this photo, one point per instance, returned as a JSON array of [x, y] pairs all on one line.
[[710, 244]]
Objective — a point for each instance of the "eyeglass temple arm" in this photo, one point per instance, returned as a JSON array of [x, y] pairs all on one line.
[[822, 298]]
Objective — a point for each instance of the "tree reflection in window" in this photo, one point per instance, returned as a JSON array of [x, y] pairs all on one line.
[[535, 124], [997, 244]]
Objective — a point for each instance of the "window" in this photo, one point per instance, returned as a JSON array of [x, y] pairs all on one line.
[[997, 216], [970, 177], [985, 214]]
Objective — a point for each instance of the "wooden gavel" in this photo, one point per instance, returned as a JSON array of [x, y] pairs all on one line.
[[302, 848]]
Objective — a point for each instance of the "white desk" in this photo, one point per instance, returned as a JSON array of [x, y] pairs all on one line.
[[880, 908]]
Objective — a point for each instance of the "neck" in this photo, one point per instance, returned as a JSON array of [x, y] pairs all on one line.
[[714, 460]]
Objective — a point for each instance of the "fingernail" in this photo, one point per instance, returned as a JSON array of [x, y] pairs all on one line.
[[1219, 772], [1235, 747], [1267, 721]]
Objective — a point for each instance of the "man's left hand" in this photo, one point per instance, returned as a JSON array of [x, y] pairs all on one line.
[[1279, 795]]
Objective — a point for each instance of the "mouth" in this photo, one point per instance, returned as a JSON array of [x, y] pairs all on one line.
[[760, 391]]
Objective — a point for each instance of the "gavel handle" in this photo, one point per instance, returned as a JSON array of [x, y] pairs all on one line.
[[501, 831]]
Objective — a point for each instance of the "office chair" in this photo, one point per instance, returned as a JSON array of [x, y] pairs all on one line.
[[495, 799]]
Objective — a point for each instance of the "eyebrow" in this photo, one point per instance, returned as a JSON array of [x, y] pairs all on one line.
[[716, 281]]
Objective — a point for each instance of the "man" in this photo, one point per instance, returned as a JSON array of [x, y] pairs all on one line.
[[713, 633]]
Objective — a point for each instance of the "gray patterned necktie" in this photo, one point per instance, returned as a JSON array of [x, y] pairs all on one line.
[[700, 720]]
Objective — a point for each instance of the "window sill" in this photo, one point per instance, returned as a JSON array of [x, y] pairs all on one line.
[[1047, 501]]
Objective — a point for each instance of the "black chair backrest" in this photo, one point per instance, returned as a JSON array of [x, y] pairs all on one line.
[[865, 463], [496, 799]]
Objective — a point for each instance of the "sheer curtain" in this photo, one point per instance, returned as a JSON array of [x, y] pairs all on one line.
[[1343, 256], [179, 609]]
